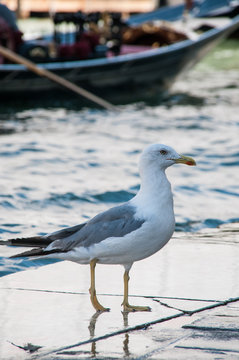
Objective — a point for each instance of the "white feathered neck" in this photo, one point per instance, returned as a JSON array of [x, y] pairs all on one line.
[[155, 193]]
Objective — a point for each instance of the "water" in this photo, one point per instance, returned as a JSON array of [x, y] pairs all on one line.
[[62, 164]]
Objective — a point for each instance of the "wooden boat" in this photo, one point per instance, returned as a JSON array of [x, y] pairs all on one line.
[[140, 74]]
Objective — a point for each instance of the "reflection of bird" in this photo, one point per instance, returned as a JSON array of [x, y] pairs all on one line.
[[122, 234]]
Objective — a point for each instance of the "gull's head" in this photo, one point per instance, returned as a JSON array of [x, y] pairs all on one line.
[[162, 156]]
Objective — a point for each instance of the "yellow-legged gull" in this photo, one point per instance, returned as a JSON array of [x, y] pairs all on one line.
[[123, 234]]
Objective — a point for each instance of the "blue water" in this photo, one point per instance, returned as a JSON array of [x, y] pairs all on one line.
[[62, 164]]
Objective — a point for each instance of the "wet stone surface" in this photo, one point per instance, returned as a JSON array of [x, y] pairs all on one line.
[[46, 313]]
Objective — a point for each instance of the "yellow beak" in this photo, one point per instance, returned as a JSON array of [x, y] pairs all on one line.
[[185, 160]]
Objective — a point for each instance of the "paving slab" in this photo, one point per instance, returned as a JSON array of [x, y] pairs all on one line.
[[213, 336], [186, 284]]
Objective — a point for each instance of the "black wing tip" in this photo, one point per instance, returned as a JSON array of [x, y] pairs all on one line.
[[33, 241], [36, 252], [33, 252], [5, 242]]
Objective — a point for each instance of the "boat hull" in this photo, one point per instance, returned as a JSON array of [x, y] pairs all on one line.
[[151, 70]]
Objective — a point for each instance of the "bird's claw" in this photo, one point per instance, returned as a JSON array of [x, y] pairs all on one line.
[[133, 308]]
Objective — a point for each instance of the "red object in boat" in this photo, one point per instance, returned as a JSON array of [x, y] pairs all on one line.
[[81, 49]]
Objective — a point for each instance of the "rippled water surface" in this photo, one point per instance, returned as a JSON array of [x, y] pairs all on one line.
[[61, 164]]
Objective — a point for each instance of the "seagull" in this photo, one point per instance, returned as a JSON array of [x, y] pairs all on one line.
[[123, 234]]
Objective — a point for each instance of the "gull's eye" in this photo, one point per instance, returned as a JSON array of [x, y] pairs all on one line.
[[163, 152]]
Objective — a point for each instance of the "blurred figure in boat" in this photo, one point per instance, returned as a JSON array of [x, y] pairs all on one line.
[[10, 35]]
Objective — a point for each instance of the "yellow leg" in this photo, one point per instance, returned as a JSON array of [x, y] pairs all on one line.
[[125, 303], [92, 290]]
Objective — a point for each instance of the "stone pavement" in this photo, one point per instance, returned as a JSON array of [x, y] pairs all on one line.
[[191, 285]]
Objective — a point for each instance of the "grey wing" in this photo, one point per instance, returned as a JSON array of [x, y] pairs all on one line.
[[115, 222], [63, 233]]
